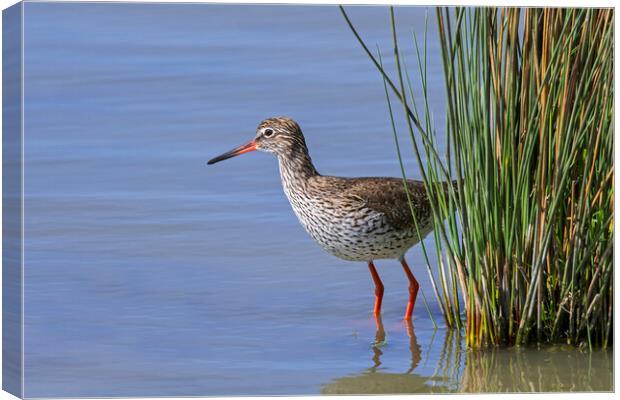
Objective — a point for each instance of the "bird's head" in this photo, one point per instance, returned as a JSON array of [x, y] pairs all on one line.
[[279, 135]]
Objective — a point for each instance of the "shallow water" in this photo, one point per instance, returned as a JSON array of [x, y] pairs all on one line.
[[148, 273]]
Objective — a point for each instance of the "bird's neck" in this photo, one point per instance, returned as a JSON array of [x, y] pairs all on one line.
[[296, 168]]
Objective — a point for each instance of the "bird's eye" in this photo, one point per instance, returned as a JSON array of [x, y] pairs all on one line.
[[268, 132]]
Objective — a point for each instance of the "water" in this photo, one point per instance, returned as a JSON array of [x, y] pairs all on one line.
[[149, 273]]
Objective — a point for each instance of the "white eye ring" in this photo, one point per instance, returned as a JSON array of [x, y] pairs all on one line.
[[268, 132]]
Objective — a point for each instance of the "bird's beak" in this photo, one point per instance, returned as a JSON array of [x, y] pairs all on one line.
[[250, 146]]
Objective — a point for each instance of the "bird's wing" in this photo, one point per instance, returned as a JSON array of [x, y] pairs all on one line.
[[388, 197]]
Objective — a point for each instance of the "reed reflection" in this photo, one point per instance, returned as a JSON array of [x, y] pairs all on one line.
[[538, 369]]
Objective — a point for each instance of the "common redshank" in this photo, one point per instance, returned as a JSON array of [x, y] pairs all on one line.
[[356, 219]]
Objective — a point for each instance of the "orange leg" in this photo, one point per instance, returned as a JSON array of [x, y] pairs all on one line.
[[378, 287], [413, 289]]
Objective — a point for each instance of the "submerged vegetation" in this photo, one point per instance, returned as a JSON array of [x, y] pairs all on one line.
[[525, 239]]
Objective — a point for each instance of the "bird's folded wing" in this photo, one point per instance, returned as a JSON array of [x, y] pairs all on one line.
[[388, 196]]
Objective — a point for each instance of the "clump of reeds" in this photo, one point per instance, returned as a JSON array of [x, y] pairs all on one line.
[[528, 231]]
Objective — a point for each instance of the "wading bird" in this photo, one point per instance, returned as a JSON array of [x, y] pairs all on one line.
[[356, 219]]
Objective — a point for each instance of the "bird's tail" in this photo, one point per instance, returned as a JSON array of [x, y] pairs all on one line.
[[446, 186], [454, 184]]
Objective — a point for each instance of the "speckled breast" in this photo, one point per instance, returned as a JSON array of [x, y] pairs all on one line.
[[349, 230]]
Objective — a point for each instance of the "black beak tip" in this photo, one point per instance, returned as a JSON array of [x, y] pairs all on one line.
[[214, 160]]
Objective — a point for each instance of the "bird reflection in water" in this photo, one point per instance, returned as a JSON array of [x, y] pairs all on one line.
[[377, 344], [414, 347], [380, 341], [377, 380]]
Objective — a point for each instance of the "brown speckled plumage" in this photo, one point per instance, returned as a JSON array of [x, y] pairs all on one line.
[[357, 219]]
